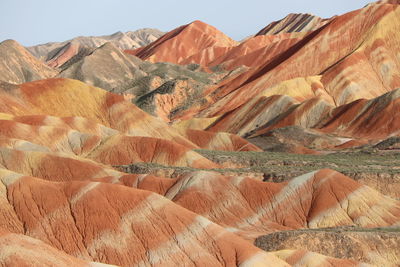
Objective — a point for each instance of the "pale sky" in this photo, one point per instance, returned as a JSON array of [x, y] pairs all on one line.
[[33, 22]]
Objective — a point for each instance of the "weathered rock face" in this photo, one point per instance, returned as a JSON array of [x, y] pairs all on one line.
[[67, 155], [251, 209], [104, 114]]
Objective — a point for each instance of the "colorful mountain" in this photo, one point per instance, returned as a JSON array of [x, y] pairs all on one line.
[[191, 149]]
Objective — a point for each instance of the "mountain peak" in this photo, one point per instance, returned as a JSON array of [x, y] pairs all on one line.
[[294, 22], [183, 42]]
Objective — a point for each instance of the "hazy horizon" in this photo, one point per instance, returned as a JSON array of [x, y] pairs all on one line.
[[34, 22]]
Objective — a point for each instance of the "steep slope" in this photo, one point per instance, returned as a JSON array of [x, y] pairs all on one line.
[[250, 208], [179, 44], [362, 119], [373, 119], [308, 114], [253, 114], [19, 66], [257, 50], [113, 149]]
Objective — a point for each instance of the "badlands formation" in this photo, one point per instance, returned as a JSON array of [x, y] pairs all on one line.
[[192, 149]]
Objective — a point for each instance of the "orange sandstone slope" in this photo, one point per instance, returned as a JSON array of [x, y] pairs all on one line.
[[183, 42], [73, 192], [251, 52]]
